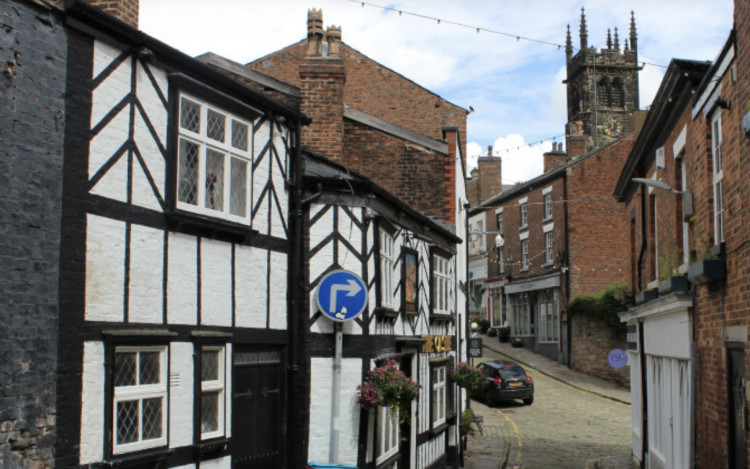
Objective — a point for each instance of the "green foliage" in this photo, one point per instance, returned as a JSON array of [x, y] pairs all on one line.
[[387, 386], [467, 417], [492, 332], [603, 305], [466, 376], [483, 325], [503, 333], [668, 262]]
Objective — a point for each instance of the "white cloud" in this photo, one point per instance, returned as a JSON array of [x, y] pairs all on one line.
[[513, 85]]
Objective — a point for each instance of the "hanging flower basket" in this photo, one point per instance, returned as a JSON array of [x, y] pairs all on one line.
[[387, 386], [465, 376]]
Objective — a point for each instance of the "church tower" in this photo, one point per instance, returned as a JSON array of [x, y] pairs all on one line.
[[602, 89]]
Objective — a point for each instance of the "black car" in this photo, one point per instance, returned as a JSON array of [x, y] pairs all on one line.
[[504, 381]]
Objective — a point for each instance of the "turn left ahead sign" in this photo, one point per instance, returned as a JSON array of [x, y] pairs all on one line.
[[341, 295]]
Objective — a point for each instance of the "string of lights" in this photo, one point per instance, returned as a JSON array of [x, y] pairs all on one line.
[[478, 29]]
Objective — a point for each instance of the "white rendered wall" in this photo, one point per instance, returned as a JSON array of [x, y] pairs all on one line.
[[250, 269], [216, 283], [182, 296], [92, 403], [181, 377], [320, 409], [105, 269], [278, 289], [146, 292]]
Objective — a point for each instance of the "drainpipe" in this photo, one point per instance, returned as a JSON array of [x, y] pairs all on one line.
[[296, 301], [569, 328]]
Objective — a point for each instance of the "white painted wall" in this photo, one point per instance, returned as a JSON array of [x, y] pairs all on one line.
[[146, 291], [105, 269], [92, 403], [180, 394], [182, 296], [320, 409], [216, 283]]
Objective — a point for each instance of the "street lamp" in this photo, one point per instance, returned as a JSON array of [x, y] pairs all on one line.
[[687, 197], [499, 241]]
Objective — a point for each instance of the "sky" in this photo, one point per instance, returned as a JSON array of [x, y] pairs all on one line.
[[498, 57]]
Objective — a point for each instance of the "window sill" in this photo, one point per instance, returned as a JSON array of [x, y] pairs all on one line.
[[524, 269], [387, 462], [441, 317], [147, 458], [440, 428], [410, 314], [548, 264], [524, 227], [212, 227], [210, 449], [382, 312]]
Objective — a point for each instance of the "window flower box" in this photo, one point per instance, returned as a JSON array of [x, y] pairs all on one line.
[[646, 295], [707, 271], [676, 283]]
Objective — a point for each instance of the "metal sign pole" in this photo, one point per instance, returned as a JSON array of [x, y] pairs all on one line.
[[333, 451]]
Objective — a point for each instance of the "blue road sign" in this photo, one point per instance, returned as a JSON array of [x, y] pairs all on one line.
[[341, 295], [617, 358]]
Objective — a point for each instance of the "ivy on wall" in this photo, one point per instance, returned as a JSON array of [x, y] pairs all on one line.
[[604, 305]]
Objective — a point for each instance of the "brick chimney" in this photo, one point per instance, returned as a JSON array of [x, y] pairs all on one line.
[[125, 10], [555, 157], [490, 175], [323, 76], [575, 140]]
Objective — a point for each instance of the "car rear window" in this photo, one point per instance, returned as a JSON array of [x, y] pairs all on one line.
[[515, 372]]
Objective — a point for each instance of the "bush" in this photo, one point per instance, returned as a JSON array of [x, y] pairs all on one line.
[[603, 305], [467, 417], [492, 332], [483, 324], [466, 376], [503, 333]]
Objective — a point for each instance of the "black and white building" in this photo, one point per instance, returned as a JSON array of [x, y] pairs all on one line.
[[175, 257]]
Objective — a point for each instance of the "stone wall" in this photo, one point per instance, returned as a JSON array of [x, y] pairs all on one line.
[[591, 346]]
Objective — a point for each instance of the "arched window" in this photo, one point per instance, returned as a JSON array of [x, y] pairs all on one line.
[[604, 92], [618, 93]]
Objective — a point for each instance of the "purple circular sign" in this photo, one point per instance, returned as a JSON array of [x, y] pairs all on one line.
[[617, 358]]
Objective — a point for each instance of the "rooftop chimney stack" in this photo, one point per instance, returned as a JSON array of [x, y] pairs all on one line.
[[125, 10]]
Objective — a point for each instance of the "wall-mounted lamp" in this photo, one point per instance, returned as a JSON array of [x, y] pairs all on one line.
[[499, 241], [687, 197]]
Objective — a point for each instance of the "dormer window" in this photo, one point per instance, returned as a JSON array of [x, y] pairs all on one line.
[[214, 161]]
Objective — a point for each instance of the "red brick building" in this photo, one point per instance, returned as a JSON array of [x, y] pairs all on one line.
[[692, 343], [564, 234]]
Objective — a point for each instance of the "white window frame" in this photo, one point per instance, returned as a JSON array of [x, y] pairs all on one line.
[[548, 248], [501, 260], [140, 392], [438, 402], [387, 269], [717, 166], [229, 153], [521, 317], [440, 285], [214, 386], [525, 254], [547, 194], [548, 302], [389, 437], [524, 216]]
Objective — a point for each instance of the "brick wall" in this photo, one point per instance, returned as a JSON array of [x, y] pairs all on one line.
[[721, 306], [592, 342], [403, 168], [490, 176], [34, 51], [322, 99], [598, 233], [375, 90], [125, 10]]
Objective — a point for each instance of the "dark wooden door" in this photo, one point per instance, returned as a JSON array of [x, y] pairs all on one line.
[[737, 417], [256, 410]]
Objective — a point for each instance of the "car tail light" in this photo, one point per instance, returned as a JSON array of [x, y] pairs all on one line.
[[528, 378], [497, 381]]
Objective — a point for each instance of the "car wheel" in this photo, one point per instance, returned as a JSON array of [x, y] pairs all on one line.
[[488, 398], [528, 401]]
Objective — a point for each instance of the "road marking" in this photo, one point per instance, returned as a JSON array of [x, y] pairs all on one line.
[[518, 435]]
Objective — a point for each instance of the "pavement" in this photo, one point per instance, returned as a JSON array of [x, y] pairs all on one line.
[[488, 450]]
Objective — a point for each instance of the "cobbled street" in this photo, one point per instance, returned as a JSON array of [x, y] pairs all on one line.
[[565, 427]]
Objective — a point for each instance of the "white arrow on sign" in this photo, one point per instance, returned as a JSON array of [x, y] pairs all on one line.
[[352, 289]]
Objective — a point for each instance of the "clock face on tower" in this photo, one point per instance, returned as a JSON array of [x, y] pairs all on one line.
[[612, 127]]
